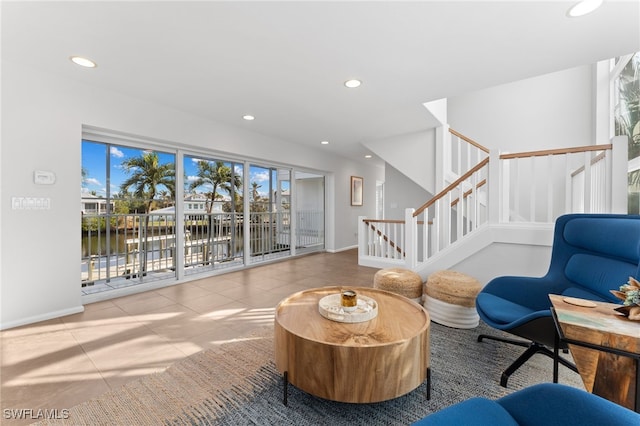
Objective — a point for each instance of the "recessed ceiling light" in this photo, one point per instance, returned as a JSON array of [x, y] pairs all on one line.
[[583, 7], [325, 142], [83, 62], [352, 84], [368, 156], [248, 117]]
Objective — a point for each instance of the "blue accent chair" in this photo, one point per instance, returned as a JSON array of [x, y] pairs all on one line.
[[546, 404], [591, 254]]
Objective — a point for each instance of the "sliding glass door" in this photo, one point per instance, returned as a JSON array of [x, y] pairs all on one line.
[[309, 229], [151, 213], [270, 213]]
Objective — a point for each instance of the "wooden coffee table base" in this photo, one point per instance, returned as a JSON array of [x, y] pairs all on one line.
[[372, 361], [285, 381]]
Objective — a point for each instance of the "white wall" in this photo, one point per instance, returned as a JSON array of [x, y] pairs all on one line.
[[497, 250], [310, 194], [401, 193], [555, 110], [42, 119], [550, 111], [412, 153]]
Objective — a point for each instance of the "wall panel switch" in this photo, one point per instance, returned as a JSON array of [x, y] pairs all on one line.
[[44, 177]]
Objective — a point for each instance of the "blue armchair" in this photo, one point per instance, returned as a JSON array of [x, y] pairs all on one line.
[[591, 254], [543, 404]]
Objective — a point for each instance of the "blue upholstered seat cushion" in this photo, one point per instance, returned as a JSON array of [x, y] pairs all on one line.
[[472, 412], [501, 311]]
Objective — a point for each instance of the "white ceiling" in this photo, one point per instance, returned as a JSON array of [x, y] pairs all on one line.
[[285, 62]]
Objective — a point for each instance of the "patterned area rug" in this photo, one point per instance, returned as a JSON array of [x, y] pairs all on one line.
[[238, 384]]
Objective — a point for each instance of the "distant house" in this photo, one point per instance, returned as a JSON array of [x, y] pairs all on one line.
[[194, 204], [197, 203], [92, 204]]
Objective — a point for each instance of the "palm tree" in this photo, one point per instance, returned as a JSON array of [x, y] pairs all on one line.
[[627, 120], [255, 196], [221, 178], [83, 177], [147, 176], [627, 115]]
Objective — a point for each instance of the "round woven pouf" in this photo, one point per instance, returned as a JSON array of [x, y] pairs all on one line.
[[400, 281], [450, 298]]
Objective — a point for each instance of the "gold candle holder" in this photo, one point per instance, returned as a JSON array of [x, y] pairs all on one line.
[[348, 300]]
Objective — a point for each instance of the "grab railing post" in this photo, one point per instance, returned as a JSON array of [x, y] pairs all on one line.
[[587, 183], [363, 246], [411, 238], [493, 188]]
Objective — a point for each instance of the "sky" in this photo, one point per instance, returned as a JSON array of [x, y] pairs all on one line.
[[94, 162]]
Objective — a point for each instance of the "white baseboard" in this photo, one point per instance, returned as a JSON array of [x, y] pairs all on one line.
[[42, 317], [341, 249]]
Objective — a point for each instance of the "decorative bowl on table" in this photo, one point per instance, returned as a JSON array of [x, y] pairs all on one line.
[[331, 308]]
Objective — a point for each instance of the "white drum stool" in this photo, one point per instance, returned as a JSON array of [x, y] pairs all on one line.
[[450, 298]]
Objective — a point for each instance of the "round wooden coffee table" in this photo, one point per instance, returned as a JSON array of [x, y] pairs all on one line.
[[372, 361]]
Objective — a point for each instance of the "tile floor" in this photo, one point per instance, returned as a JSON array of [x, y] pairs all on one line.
[[59, 363]]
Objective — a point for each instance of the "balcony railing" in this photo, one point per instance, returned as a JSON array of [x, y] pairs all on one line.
[[120, 250], [111, 248], [223, 246]]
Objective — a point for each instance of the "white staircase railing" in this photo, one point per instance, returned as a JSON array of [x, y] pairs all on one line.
[[542, 185], [383, 239], [530, 187]]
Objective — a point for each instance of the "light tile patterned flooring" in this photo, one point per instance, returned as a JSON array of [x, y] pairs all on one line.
[[60, 363]]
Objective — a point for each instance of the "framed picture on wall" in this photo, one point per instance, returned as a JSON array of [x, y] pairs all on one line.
[[357, 184]]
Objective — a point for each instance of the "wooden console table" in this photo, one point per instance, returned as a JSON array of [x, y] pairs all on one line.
[[605, 346], [372, 361]]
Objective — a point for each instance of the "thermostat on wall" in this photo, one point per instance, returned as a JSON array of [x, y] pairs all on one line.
[[42, 177]]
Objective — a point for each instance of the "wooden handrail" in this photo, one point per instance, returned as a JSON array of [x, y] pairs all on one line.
[[556, 151], [467, 193], [382, 221], [442, 193], [594, 160], [368, 221], [468, 140]]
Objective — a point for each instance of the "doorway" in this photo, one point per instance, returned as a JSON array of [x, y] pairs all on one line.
[[310, 226]]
